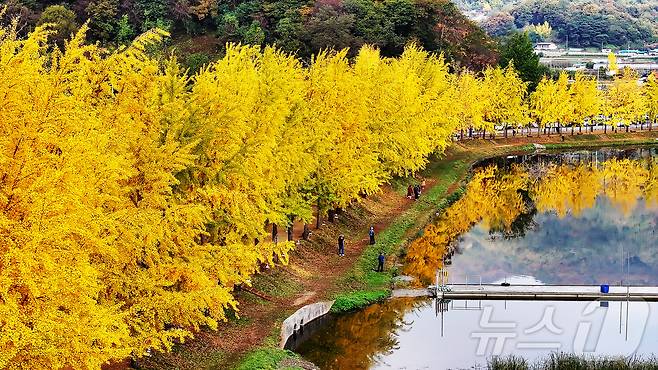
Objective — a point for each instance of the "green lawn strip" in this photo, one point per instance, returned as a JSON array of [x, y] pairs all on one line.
[[266, 358], [364, 286], [575, 144]]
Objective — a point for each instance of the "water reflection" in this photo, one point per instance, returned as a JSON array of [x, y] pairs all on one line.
[[405, 334], [580, 219], [358, 340]]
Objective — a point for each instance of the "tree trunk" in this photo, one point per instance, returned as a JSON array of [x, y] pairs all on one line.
[[317, 220], [275, 233], [307, 231], [291, 228], [605, 129], [505, 128], [470, 132], [627, 127], [461, 135], [580, 129], [572, 128]]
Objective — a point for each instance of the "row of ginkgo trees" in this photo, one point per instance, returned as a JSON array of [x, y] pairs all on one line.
[[558, 103]]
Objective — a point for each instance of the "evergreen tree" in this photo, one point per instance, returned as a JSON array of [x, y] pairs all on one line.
[[62, 21], [517, 49]]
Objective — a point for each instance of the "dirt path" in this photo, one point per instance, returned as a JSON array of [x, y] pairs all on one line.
[[315, 269]]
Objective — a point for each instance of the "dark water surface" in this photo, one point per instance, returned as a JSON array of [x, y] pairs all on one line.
[[572, 218]]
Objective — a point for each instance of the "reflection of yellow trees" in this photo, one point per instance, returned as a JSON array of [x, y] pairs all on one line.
[[493, 198], [651, 188], [362, 334], [564, 188], [624, 181]]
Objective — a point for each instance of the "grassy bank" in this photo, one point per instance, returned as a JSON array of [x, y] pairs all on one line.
[[267, 358], [557, 361]]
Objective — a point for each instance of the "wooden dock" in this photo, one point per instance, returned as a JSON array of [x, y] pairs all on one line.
[[544, 292]]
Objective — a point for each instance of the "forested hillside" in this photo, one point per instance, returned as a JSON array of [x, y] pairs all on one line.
[[300, 26], [587, 23]]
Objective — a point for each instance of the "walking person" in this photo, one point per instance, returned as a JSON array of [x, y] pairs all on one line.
[[341, 245], [380, 262], [416, 191], [371, 233]]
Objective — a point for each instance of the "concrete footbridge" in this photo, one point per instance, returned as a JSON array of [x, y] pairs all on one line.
[[543, 292]]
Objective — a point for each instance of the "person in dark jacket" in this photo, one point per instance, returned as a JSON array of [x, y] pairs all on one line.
[[416, 192], [371, 233], [380, 262], [341, 245]]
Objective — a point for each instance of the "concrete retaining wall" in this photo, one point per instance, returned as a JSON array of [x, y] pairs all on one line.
[[302, 317]]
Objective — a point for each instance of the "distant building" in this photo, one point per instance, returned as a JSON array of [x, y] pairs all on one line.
[[577, 67], [629, 53], [545, 46]]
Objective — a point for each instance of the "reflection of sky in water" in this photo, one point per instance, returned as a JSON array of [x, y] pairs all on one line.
[[573, 250], [476, 331]]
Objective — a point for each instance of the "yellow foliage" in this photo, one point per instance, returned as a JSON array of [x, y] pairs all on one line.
[[505, 97], [651, 96], [612, 63], [625, 103]]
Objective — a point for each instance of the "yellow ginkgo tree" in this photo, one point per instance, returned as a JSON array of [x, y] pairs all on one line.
[[625, 103], [651, 98], [505, 98]]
